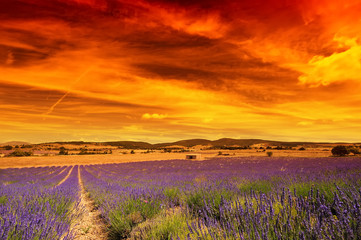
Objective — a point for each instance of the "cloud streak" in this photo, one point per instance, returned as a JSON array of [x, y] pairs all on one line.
[[51, 109]]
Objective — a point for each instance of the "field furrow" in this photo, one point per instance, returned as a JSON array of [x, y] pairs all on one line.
[[89, 225], [66, 177]]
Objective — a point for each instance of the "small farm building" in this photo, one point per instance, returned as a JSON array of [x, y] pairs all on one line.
[[193, 156]]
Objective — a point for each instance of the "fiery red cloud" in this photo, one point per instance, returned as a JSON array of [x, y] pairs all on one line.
[[165, 70]]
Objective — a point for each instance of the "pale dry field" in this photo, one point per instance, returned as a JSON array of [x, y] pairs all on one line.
[[42, 161]]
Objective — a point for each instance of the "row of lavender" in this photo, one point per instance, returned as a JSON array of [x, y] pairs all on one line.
[[35, 203], [239, 198]]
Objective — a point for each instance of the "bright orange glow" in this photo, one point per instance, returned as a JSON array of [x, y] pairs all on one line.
[[161, 70]]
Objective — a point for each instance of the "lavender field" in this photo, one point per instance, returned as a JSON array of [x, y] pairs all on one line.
[[35, 203], [229, 198]]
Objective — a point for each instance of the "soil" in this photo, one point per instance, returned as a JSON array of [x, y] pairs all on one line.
[[89, 225], [66, 177]]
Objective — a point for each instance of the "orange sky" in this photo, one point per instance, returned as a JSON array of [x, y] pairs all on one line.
[[162, 70]]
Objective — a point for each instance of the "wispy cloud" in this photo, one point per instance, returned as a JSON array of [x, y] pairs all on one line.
[[153, 116]]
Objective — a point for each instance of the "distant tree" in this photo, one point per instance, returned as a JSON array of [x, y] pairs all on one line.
[[339, 151], [269, 154], [8, 147], [62, 151], [220, 153], [83, 151], [26, 146], [132, 152], [302, 149]]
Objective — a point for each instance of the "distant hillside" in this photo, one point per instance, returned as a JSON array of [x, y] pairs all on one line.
[[223, 142], [185, 143], [220, 143], [227, 142], [71, 142], [14, 143], [130, 144], [239, 142]]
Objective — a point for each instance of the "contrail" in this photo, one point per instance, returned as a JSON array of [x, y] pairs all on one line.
[[66, 94]]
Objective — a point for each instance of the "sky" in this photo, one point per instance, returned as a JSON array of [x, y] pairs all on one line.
[[166, 70]]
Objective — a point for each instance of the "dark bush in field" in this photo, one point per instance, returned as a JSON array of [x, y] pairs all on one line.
[[339, 151], [18, 153], [26, 146], [83, 151], [62, 151]]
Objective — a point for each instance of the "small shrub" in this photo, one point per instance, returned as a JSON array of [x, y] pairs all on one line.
[[170, 226], [269, 154], [120, 226], [195, 201], [201, 199], [62, 151], [18, 153], [302, 149], [172, 195], [354, 151]]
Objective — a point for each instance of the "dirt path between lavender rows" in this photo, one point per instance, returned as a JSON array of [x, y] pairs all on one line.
[[89, 226], [66, 177]]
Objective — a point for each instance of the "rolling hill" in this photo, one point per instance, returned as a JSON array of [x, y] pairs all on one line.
[[220, 143]]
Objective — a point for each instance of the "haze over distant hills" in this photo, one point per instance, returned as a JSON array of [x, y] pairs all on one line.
[[12, 143], [223, 142]]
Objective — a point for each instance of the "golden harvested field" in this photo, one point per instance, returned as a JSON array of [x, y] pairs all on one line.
[[41, 161]]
